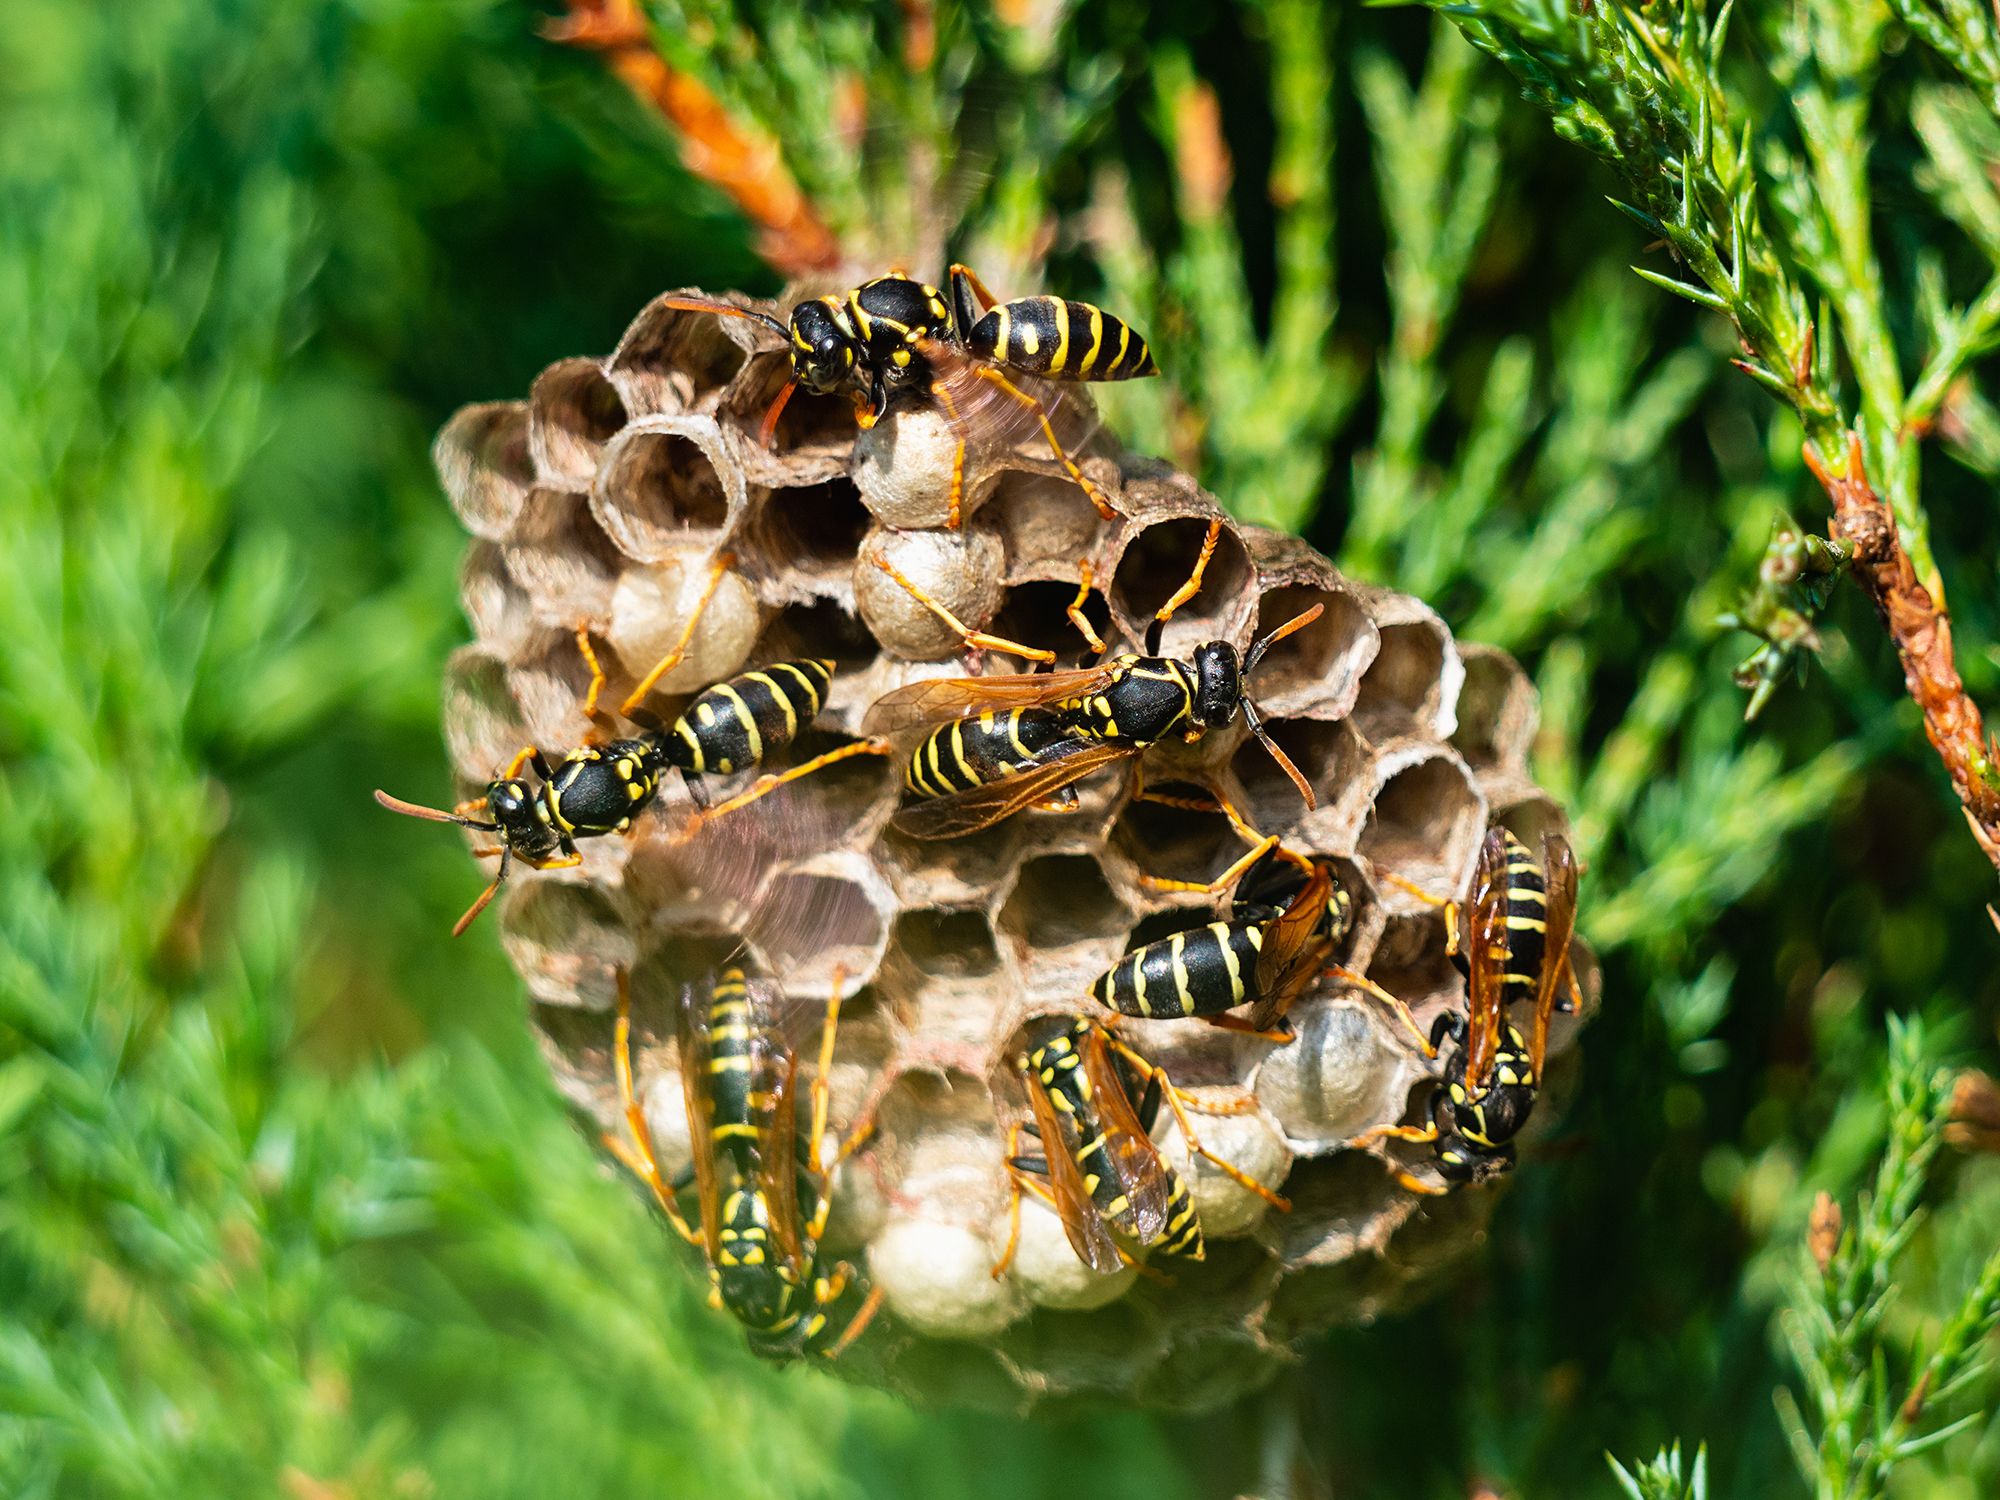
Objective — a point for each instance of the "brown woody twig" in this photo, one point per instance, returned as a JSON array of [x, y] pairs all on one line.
[[741, 160], [1921, 631]]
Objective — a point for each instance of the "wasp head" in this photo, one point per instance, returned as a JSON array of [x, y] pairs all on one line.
[[823, 352], [1218, 675]]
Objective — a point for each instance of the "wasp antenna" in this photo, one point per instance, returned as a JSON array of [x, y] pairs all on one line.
[[431, 814], [1296, 623], [472, 912], [726, 310], [1256, 723], [767, 430]]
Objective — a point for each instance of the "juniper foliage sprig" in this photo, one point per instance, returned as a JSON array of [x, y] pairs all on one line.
[[1870, 1404]]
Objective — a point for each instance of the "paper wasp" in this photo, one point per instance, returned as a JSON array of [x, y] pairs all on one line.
[[1003, 744], [1288, 915], [895, 334], [762, 1194], [600, 789], [1098, 1168], [1490, 1073]]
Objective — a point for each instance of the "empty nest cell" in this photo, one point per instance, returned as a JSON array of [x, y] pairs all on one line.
[[1427, 821], [1404, 689], [1157, 559], [672, 359], [1316, 671], [667, 482], [482, 458], [807, 535], [573, 411]]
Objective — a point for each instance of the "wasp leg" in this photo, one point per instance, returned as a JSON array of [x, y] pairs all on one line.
[[1018, 1182], [858, 1324], [1418, 1135], [1281, 1034], [1075, 611], [764, 785], [648, 1165], [1082, 480], [1421, 1188], [724, 561], [1401, 1011], [955, 502], [1192, 587], [596, 679], [970, 297], [1444, 904], [974, 640], [1216, 802], [521, 757], [1178, 1104]]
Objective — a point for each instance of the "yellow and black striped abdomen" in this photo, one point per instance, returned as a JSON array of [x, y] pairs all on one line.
[[737, 1096], [1203, 972], [1061, 340], [967, 753], [1527, 921], [735, 724]]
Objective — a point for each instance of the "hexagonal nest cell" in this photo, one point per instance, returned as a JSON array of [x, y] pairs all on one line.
[[612, 494]]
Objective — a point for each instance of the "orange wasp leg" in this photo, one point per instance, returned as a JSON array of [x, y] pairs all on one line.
[[638, 1156], [724, 561], [973, 639], [1179, 1106]]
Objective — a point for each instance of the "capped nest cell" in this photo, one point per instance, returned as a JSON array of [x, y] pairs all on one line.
[[620, 492]]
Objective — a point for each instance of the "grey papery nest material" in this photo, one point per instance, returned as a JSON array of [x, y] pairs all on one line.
[[606, 497]]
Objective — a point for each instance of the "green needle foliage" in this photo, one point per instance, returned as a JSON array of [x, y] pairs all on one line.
[[287, 1204]]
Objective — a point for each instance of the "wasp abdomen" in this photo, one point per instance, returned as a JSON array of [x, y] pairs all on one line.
[[735, 724], [1202, 972], [1061, 340], [973, 752]]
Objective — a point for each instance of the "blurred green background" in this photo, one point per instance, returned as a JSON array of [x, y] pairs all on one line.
[[287, 1204]]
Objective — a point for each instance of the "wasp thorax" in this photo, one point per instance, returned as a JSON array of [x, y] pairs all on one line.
[[948, 951]]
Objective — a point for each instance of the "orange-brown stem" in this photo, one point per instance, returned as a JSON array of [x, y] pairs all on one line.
[[740, 159], [1921, 631]]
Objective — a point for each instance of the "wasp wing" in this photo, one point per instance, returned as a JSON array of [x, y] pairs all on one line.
[[940, 699], [1293, 951], [1486, 958], [691, 1028], [1559, 873], [1127, 1152], [778, 1166], [980, 807], [1081, 1221], [991, 408]]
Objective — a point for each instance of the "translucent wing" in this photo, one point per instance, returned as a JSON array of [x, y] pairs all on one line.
[[1559, 869], [1486, 958], [940, 699], [691, 1027], [778, 1165], [981, 807], [1128, 1153], [1081, 1221], [996, 408], [1294, 950]]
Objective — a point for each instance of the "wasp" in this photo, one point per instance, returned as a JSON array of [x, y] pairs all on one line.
[[1490, 1073], [1098, 1168], [1032, 736], [762, 1195], [1288, 915], [601, 789], [895, 335]]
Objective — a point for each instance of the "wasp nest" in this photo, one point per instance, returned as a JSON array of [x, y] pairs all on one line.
[[608, 497]]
